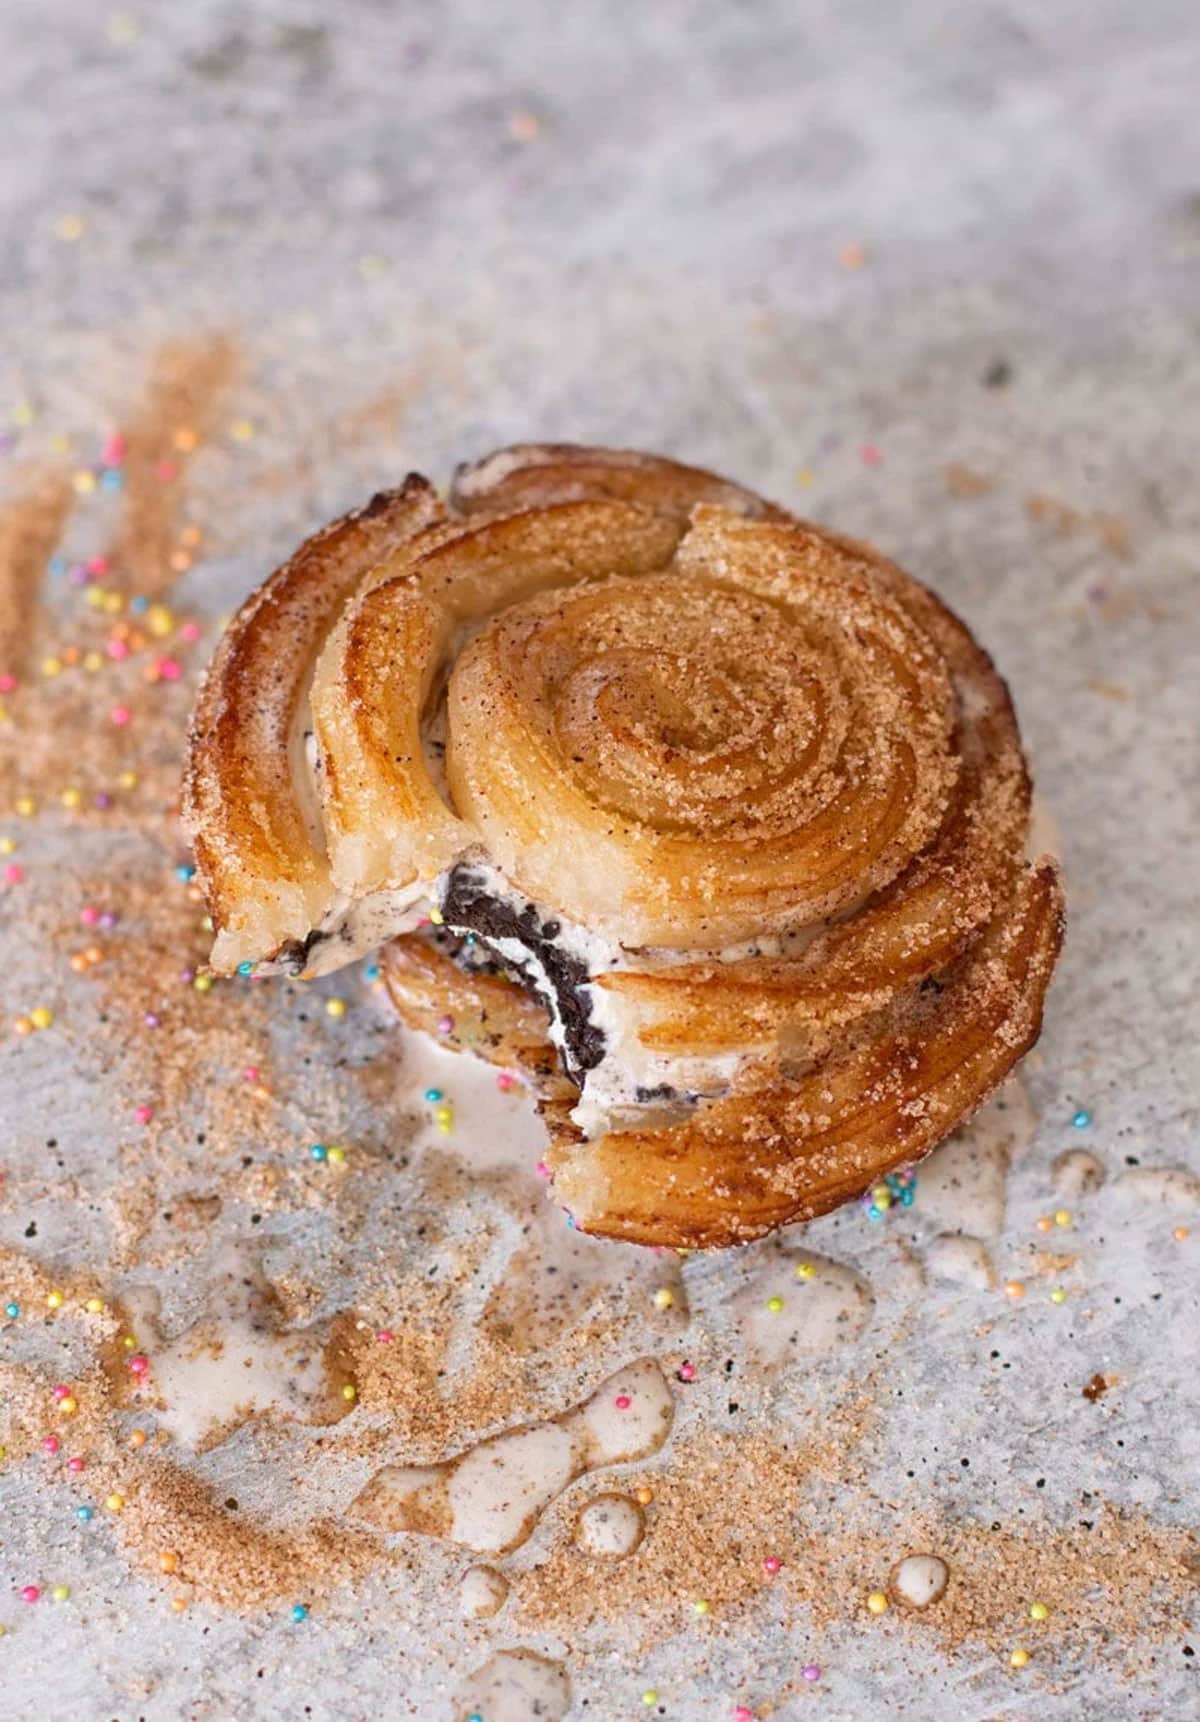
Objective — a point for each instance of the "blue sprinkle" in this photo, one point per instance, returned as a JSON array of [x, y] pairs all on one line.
[[245, 968], [433, 1095], [112, 479], [84, 1514], [12, 1311], [184, 872], [571, 1221], [371, 972], [318, 1151], [474, 1717], [874, 1213], [906, 1197], [299, 1611], [57, 565], [139, 605], [1082, 1119]]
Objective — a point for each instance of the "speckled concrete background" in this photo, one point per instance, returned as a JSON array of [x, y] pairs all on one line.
[[638, 225]]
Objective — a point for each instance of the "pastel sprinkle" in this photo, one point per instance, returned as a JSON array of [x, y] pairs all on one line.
[[318, 1151], [85, 1515], [445, 1024], [299, 1611], [433, 1095], [1058, 1295], [1082, 1119], [12, 1311], [1019, 1657], [51, 1444], [877, 1602], [30, 1593], [1038, 1611], [810, 1672], [775, 1305], [60, 1593], [772, 1563], [54, 1300], [687, 1372], [143, 1114], [664, 1297], [622, 1402], [75, 1464], [114, 1502], [805, 1271]]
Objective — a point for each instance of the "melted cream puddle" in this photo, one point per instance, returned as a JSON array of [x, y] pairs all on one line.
[[489, 1498], [515, 1686]]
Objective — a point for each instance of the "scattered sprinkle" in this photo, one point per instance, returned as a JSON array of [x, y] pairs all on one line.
[[877, 1602]]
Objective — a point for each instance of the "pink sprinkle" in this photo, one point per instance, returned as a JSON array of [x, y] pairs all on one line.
[[505, 1081], [189, 631], [13, 873], [139, 1365], [51, 1444], [143, 1114], [150, 1019], [89, 915], [871, 454], [170, 669], [97, 565], [542, 1170], [772, 1563], [117, 649], [113, 452], [743, 1713], [445, 1024], [102, 798], [251, 1073], [687, 1372], [61, 1392], [107, 918], [165, 471], [120, 715], [7, 683], [75, 1464], [622, 1402], [810, 1671], [385, 1336], [29, 1593]]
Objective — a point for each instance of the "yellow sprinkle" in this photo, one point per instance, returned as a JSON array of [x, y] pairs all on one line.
[[650, 1696], [69, 227], [436, 916], [114, 1503], [72, 797], [1038, 1611], [68, 1406], [54, 1300], [664, 1297], [337, 1155], [202, 983], [775, 1305], [60, 443], [60, 1592], [23, 415], [128, 780], [7, 846], [123, 28], [335, 1007], [877, 1602], [444, 1114], [40, 1017], [350, 1392], [94, 1306], [128, 1341], [26, 806], [1019, 1657], [805, 1271], [241, 430], [3, 712], [179, 1603], [1058, 1295], [1062, 1217], [160, 620], [113, 603], [3, 1452], [52, 666], [644, 1496], [84, 482], [700, 1606], [806, 477]]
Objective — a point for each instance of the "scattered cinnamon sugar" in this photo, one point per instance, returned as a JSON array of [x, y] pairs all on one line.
[[964, 481], [31, 523], [180, 409]]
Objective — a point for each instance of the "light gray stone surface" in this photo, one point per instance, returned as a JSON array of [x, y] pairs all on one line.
[[661, 264]]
